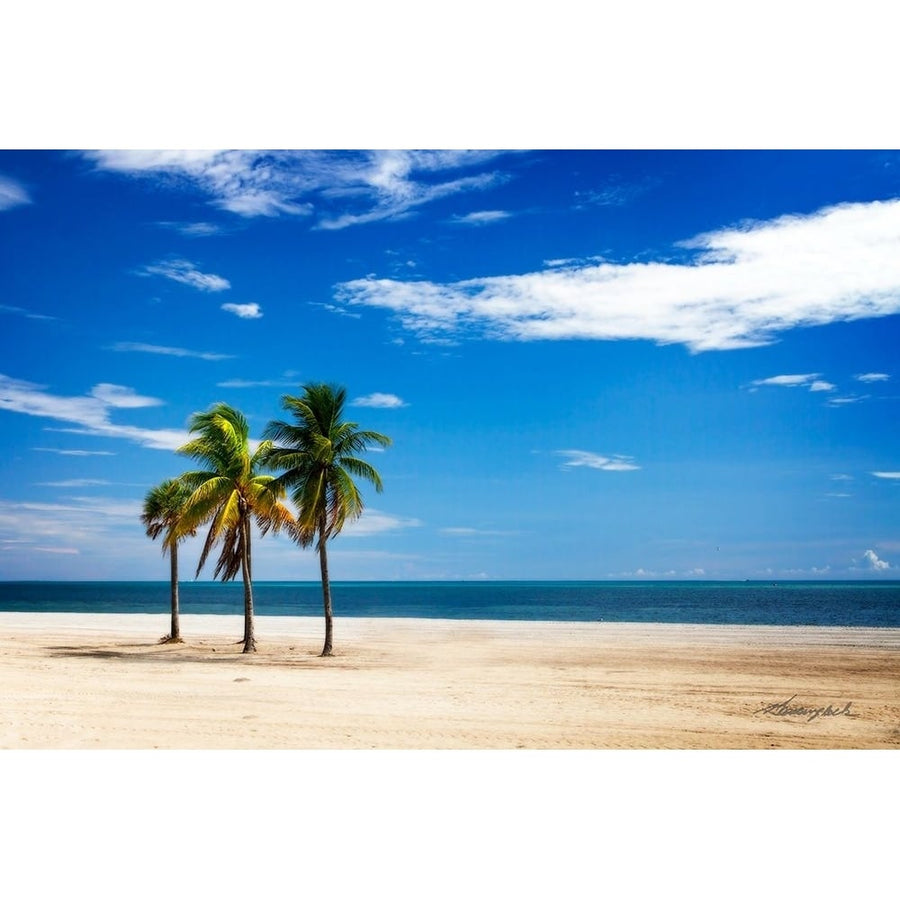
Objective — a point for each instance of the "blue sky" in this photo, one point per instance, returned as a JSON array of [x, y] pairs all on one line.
[[593, 364]]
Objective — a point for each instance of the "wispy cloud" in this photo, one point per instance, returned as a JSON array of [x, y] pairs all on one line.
[[12, 194], [90, 413], [891, 475], [810, 381], [374, 522], [742, 288], [185, 272], [75, 452], [616, 192], [788, 380], [483, 217], [379, 401], [20, 311], [74, 482], [872, 377], [193, 229], [244, 383], [244, 310], [345, 188], [577, 458], [74, 526], [119, 397], [131, 347]]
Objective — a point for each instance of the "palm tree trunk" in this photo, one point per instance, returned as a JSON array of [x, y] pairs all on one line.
[[175, 629], [326, 596], [249, 637]]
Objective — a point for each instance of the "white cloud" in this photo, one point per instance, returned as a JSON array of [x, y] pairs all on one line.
[[243, 310], [81, 524], [193, 229], [788, 380], [89, 413], [811, 381], [379, 401], [576, 458], [871, 377], [185, 272], [12, 194], [130, 347], [484, 217], [886, 474], [243, 383], [74, 482], [347, 187], [744, 286], [615, 193], [75, 452], [120, 397], [19, 311], [876, 564], [374, 522]]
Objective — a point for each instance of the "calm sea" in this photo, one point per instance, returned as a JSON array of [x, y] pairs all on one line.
[[864, 603]]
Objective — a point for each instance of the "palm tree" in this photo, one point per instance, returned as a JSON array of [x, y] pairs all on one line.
[[163, 509], [317, 457], [230, 493]]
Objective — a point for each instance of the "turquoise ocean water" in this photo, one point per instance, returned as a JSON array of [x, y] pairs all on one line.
[[861, 603]]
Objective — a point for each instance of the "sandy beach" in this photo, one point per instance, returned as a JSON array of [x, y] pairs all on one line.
[[75, 681]]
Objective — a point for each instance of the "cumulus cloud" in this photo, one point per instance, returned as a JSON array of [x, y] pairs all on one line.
[[344, 187], [577, 458], [742, 287], [12, 194], [243, 310], [379, 401], [131, 347], [90, 414], [185, 272], [874, 563]]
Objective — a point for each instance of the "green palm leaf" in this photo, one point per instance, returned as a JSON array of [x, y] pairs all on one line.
[[229, 494], [316, 455]]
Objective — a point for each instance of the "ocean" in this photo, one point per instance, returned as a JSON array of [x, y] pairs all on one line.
[[860, 603]]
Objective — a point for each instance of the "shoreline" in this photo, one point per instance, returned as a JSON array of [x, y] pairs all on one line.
[[103, 680]]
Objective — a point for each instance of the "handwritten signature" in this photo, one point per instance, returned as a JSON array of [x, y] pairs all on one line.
[[784, 708]]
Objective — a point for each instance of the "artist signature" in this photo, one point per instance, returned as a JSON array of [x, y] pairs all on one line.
[[788, 708]]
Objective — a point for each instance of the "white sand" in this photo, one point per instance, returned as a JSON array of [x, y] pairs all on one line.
[[104, 681]]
